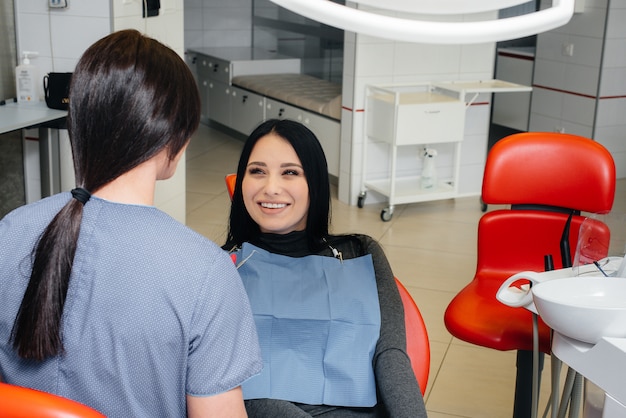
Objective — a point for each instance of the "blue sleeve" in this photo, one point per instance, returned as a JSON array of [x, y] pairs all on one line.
[[223, 347]]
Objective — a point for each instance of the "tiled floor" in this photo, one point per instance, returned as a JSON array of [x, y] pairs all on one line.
[[432, 249]]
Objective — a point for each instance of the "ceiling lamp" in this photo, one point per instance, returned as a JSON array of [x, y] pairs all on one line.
[[434, 32]]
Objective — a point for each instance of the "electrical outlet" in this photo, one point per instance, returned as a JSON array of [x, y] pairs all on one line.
[[57, 4]]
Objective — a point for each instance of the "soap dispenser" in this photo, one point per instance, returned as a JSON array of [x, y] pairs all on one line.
[[27, 81]]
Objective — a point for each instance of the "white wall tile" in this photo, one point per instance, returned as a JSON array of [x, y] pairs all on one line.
[[549, 73], [547, 103], [587, 51], [83, 8], [549, 46], [375, 59], [218, 23], [470, 176], [347, 93], [33, 30], [127, 8], [616, 27], [420, 59], [225, 38], [193, 19], [590, 23], [598, 4], [478, 59], [577, 129], [31, 6], [581, 79], [477, 120], [66, 43], [613, 82], [228, 18], [614, 53], [474, 149], [583, 73], [345, 153], [611, 113], [133, 21], [612, 137], [578, 109], [167, 28], [542, 123], [64, 65]]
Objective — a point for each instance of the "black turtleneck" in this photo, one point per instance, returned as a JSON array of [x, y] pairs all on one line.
[[293, 244], [296, 244]]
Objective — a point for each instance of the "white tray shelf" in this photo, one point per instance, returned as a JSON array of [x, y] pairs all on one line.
[[408, 190]]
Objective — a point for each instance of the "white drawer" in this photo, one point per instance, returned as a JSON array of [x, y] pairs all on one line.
[[416, 118]]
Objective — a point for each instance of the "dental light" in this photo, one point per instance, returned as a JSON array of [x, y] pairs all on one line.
[[433, 32]]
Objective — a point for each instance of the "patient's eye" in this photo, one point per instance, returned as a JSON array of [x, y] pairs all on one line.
[[255, 170], [291, 172]]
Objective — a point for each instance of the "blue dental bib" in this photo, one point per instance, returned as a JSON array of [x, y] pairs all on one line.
[[318, 321]]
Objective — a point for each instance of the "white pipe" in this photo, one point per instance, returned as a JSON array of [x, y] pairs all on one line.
[[431, 32]]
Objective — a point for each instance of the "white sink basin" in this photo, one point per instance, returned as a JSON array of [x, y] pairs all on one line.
[[583, 308]]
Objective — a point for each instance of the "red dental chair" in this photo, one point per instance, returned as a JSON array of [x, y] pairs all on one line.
[[21, 402], [544, 177], [417, 344]]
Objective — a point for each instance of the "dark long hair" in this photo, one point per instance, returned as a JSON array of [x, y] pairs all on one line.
[[130, 98], [242, 227]]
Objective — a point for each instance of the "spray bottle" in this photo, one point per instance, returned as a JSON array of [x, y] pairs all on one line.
[[428, 179], [27, 81]]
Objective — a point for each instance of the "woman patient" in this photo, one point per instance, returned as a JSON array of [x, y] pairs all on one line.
[[327, 308], [105, 299]]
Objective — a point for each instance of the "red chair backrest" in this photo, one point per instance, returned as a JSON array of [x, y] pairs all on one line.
[[417, 344], [21, 402], [230, 180], [541, 172]]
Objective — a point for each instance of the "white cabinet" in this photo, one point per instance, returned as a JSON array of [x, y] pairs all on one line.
[[219, 102], [328, 132], [247, 110], [216, 68], [204, 79], [275, 109]]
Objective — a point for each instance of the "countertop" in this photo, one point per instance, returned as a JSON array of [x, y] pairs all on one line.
[[240, 53]]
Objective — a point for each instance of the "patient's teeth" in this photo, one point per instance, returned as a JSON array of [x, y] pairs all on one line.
[[273, 205]]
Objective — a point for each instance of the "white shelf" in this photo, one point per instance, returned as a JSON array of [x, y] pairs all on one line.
[[482, 86], [408, 190]]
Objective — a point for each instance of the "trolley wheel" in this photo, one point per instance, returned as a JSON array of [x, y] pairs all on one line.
[[361, 201], [386, 214]]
